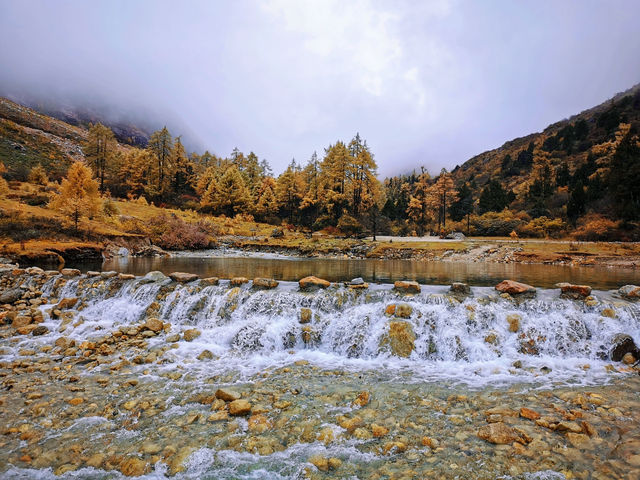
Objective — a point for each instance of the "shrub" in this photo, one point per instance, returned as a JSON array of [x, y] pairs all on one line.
[[595, 227], [349, 225], [173, 233], [38, 175], [542, 227], [497, 224], [109, 208]]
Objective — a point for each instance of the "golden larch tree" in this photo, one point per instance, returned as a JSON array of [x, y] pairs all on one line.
[[78, 194]]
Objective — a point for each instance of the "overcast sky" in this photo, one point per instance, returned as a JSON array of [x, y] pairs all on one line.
[[426, 83]]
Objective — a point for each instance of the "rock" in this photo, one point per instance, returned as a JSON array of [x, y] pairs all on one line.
[[357, 284], [151, 448], [209, 281], [460, 288], [305, 315], [363, 399], [569, 427], [575, 292], [430, 442], [70, 272], [630, 292], [66, 303], [40, 330], [608, 313], [21, 321], [320, 462], [34, 271], [126, 276], [11, 295], [191, 334], [76, 401], [334, 463], [501, 434], [621, 345], [407, 286], [96, 460], [455, 236], [313, 283], [153, 324], [173, 338], [357, 281], [403, 310], [151, 251], [182, 277], [153, 276], [239, 407], [491, 338], [378, 431], [227, 394], [400, 338], [277, 233], [265, 283], [529, 414], [205, 355], [628, 358], [109, 274], [133, 467], [238, 281], [514, 322], [515, 288]]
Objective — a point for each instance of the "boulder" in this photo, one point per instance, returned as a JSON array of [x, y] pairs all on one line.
[[400, 339], [265, 283], [514, 322], [501, 434], [313, 283], [11, 295], [34, 271], [458, 288], [153, 324], [456, 236], [40, 330], [109, 274], [227, 394], [191, 334], [126, 276], [305, 315], [21, 321], [403, 310], [151, 251], [515, 288], [65, 303], [621, 345], [277, 233], [70, 272], [630, 292], [357, 284], [574, 292], [183, 277], [239, 407], [238, 281], [407, 286], [154, 276], [209, 281]]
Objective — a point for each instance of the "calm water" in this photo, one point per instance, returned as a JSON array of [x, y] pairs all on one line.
[[374, 270]]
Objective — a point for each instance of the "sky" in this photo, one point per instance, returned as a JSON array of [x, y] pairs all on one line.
[[426, 83]]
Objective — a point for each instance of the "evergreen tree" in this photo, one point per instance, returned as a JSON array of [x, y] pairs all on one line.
[[290, 190], [493, 198], [463, 205], [79, 196], [267, 203], [183, 171], [100, 149], [577, 201], [161, 146], [624, 177]]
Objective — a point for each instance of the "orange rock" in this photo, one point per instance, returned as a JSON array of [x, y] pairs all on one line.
[[528, 413], [76, 401], [378, 430], [362, 399], [390, 310], [311, 283], [514, 288]]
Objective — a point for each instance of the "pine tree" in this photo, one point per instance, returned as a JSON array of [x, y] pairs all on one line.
[[334, 179], [624, 177], [443, 192], [137, 173], [183, 174], [463, 205], [493, 198], [161, 145], [290, 190], [78, 195], [267, 203], [100, 149], [419, 204], [233, 196]]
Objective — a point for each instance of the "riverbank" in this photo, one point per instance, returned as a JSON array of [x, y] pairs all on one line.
[[187, 377]]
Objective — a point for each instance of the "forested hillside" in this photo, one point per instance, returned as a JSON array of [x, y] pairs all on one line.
[[578, 177]]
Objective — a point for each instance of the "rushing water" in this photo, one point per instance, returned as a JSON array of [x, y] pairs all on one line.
[[301, 359], [213, 264]]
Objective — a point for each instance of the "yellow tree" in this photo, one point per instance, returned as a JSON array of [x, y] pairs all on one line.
[[290, 189], [100, 149], [443, 194], [4, 186], [267, 203], [333, 175], [38, 175], [78, 194], [418, 209], [137, 172]]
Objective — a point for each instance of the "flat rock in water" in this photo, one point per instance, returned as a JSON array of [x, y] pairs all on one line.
[[568, 290], [630, 292], [154, 276], [265, 283], [238, 281], [460, 288], [311, 283], [500, 434], [70, 272], [183, 277], [407, 286], [514, 288]]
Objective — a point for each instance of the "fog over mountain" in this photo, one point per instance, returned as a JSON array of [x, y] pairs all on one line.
[[426, 83]]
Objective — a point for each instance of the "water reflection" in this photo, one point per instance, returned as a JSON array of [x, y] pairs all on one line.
[[374, 270]]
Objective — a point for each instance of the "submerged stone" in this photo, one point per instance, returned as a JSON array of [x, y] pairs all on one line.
[[400, 339]]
